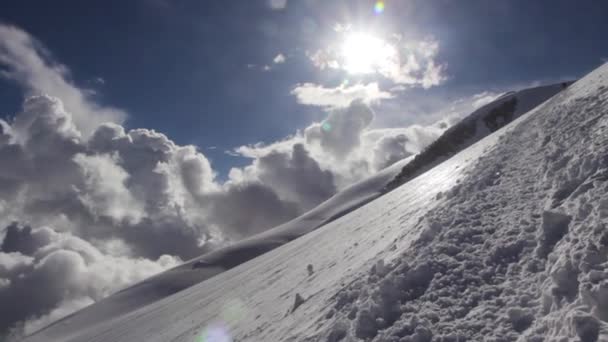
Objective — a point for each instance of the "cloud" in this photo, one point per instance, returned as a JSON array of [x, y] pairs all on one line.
[[277, 4], [29, 64], [104, 192], [125, 184], [294, 175], [74, 273], [279, 59], [483, 98], [341, 132], [420, 67], [250, 207], [342, 145], [456, 110], [340, 96], [406, 62]]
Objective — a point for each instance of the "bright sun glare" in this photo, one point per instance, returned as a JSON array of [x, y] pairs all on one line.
[[362, 53]]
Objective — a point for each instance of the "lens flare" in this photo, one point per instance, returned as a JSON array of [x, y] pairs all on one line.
[[215, 333], [326, 126], [234, 311], [379, 7]]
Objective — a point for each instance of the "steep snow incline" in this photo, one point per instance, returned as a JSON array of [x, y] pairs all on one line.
[[194, 271], [518, 250], [504, 241]]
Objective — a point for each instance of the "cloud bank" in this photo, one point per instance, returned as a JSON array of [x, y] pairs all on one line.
[[45, 275], [88, 207], [340, 96]]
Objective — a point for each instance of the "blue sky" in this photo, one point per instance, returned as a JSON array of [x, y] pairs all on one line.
[[195, 69]]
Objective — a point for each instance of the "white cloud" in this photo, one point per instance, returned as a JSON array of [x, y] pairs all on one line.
[[279, 59], [343, 144], [277, 4], [104, 192], [340, 133], [411, 63], [323, 59], [340, 96], [60, 273], [29, 64]]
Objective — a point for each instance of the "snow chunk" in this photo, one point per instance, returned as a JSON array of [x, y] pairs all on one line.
[[553, 228]]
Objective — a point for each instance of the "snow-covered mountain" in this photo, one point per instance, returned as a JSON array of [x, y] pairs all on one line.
[[505, 240], [209, 265], [476, 126]]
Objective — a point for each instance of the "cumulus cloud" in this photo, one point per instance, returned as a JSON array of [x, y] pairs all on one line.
[[250, 207], [49, 274], [294, 176], [342, 145], [104, 192], [27, 62], [341, 132], [340, 96]]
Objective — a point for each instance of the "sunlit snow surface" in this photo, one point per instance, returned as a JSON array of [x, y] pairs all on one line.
[[505, 241]]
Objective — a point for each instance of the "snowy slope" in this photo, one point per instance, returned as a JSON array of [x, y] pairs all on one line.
[[506, 240], [209, 265], [201, 268]]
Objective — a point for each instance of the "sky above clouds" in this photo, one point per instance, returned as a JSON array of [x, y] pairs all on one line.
[[135, 135], [181, 66]]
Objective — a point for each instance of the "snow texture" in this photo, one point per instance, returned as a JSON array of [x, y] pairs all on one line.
[[505, 241]]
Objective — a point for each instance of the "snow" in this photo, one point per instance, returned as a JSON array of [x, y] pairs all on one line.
[[504, 241], [475, 127]]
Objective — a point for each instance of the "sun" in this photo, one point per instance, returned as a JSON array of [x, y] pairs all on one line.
[[363, 53]]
